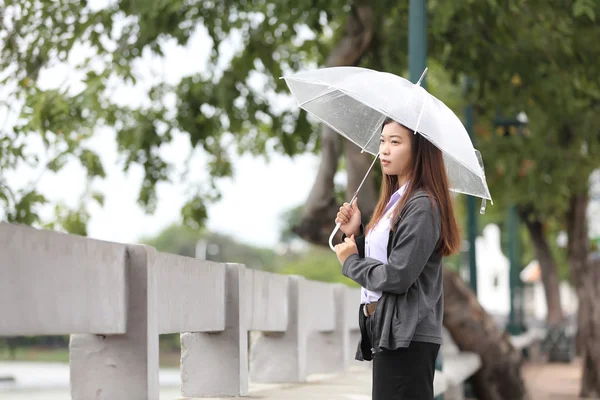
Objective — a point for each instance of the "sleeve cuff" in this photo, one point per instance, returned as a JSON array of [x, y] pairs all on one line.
[[360, 234], [346, 264]]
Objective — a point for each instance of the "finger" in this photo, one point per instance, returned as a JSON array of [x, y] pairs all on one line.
[[355, 204], [348, 208], [342, 218], [346, 211], [349, 241], [343, 212]]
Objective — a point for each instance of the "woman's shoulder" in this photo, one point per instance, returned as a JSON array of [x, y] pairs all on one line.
[[421, 200]]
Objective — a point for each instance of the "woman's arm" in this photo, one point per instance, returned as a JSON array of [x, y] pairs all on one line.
[[415, 240]]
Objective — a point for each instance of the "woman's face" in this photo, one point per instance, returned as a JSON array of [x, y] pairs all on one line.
[[395, 150]]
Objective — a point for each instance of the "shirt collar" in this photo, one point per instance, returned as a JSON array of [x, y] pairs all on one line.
[[396, 196]]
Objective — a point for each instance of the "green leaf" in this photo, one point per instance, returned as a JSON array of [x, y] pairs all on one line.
[[99, 198], [194, 213], [585, 7], [92, 163], [57, 163]]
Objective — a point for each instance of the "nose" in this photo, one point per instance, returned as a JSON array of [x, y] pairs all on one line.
[[383, 149]]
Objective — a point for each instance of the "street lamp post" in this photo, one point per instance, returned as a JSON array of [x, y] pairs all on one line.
[[471, 207], [515, 320], [417, 40], [509, 127]]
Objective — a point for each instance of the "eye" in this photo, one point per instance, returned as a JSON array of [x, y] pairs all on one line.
[[380, 140], [395, 142]]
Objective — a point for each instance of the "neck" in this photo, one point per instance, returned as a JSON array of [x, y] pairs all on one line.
[[402, 179]]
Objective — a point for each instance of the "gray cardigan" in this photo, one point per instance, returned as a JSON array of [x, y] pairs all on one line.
[[412, 304]]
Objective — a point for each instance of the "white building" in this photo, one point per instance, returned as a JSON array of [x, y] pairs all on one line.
[[493, 281], [493, 286]]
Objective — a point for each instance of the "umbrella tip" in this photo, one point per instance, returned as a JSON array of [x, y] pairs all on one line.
[[422, 76]]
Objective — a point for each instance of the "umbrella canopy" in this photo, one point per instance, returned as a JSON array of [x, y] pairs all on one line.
[[355, 102]]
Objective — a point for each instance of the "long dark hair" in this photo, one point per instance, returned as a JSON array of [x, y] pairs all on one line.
[[428, 173]]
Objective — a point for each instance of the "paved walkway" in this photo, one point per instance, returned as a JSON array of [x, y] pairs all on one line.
[[545, 382], [553, 381], [49, 381]]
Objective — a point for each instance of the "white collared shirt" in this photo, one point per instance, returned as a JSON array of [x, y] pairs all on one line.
[[377, 239]]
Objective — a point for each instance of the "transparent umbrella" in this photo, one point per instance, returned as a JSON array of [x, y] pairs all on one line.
[[355, 102]]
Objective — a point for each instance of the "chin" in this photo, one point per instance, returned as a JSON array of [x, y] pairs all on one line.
[[389, 171]]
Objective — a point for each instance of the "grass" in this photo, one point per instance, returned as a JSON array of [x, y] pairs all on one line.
[[168, 358], [38, 354]]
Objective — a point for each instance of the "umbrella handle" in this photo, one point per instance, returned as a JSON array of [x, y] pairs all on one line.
[[337, 228]]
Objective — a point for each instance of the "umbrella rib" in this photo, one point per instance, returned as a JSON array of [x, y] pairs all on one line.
[[373, 134], [422, 76], [422, 109], [318, 97], [340, 131]]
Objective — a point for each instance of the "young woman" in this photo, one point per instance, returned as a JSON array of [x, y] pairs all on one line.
[[397, 260]]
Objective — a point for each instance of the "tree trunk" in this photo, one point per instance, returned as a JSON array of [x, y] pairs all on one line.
[[318, 215], [585, 274], [547, 265], [357, 165], [474, 330]]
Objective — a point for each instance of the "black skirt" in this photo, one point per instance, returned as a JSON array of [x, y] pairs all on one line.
[[402, 374]]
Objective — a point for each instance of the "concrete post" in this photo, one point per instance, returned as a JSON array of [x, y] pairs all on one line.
[[122, 366], [216, 363], [281, 357], [327, 351], [342, 327]]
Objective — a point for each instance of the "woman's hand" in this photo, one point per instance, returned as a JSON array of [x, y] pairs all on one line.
[[346, 249], [349, 217]]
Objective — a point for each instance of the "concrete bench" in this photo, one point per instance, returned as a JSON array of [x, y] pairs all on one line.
[[529, 343], [440, 383], [528, 338], [457, 369], [458, 366]]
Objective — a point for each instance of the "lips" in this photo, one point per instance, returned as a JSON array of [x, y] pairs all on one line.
[[385, 162]]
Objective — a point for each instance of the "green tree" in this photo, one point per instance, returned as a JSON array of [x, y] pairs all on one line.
[[212, 109], [183, 240]]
